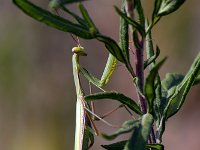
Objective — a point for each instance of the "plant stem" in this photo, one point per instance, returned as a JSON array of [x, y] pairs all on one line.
[[140, 74], [130, 8], [152, 136], [138, 58]]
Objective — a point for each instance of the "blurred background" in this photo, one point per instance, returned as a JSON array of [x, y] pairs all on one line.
[[37, 94]]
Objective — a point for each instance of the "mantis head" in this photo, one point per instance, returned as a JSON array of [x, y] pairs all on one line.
[[79, 50]]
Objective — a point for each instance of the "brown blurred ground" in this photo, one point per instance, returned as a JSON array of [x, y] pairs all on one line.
[[37, 97]]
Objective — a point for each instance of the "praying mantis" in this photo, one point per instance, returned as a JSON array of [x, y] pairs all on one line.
[[81, 105]]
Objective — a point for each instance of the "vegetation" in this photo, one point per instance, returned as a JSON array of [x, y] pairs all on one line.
[[158, 100]]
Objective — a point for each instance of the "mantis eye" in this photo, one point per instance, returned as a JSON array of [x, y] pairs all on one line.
[[79, 50]]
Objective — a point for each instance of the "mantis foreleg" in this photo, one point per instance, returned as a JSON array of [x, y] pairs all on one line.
[[108, 71]]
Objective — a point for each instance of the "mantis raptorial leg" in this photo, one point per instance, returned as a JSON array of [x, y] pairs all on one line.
[[108, 71]]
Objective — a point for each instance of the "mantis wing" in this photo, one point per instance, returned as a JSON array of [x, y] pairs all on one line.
[[80, 123]]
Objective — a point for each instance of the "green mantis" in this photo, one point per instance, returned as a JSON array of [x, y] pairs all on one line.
[[81, 105]]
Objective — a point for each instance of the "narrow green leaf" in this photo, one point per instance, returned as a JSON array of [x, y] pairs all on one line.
[[155, 146], [149, 45], [115, 146], [155, 17], [112, 47], [169, 6], [58, 3], [140, 12], [90, 77], [52, 20], [127, 127], [197, 80], [172, 80], [124, 40], [115, 96], [140, 136], [88, 137], [136, 25], [88, 20], [123, 34], [91, 137], [159, 102], [150, 86], [152, 58], [157, 5], [181, 91], [76, 17]]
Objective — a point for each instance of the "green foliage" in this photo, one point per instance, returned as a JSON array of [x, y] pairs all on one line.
[[55, 4], [115, 96], [141, 134], [197, 80], [152, 58], [175, 89], [85, 30], [52, 20], [88, 137], [168, 6], [182, 89], [171, 80], [150, 86], [163, 8], [158, 99], [115, 146], [127, 127], [133, 23], [112, 47], [120, 145], [124, 35], [88, 20], [155, 146]]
